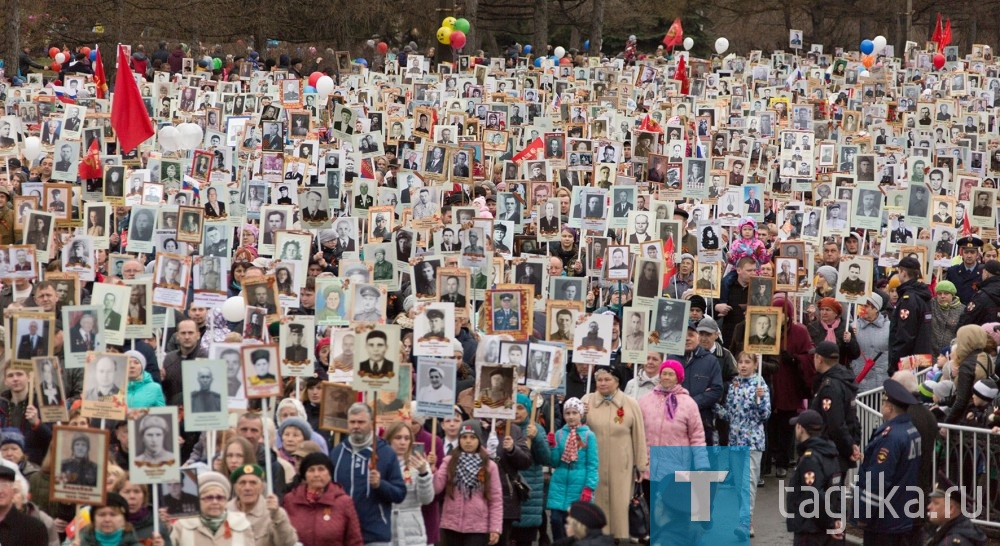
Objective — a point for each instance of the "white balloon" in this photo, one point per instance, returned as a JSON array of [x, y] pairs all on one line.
[[169, 138], [721, 45], [32, 148], [370, 43], [879, 43], [234, 309], [560, 52], [324, 86], [60, 58], [688, 43], [191, 135]]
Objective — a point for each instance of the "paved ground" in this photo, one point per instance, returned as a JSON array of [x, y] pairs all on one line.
[[769, 526]]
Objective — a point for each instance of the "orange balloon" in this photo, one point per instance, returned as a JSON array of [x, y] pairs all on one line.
[[868, 60]]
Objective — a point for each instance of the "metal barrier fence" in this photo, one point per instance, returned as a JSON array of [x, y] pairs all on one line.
[[968, 456]]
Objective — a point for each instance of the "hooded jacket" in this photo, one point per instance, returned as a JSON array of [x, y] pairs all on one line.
[[946, 320], [911, 328], [703, 381], [985, 304], [145, 393], [176, 60], [569, 479], [374, 505], [836, 393], [746, 413], [973, 365], [140, 63], [816, 468]]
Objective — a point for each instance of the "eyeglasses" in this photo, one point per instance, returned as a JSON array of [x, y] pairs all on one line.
[[214, 498]]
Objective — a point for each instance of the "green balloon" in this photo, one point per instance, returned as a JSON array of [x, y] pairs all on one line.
[[462, 24], [217, 63]]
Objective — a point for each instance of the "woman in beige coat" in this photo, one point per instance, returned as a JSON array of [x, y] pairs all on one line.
[[214, 526], [269, 521], [616, 421]]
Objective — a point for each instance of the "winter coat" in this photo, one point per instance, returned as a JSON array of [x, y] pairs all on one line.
[[269, 528], [746, 413], [685, 429], [431, 511], [973, 365], [140, 64], [330, 521], [910, 330], [534, 477], [960, 531], [88, 537], [176, 60], [703, 381], [638, 386], [945, 322], [374, 506], [511, 464], [192, 532], [873, 341], [33, 511], [145, 393], [791, 373], [622, 448], [568, 479], [848, 349], [473, 514], [407, 520]]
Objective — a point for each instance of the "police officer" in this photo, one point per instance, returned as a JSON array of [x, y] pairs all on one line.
[[985, 304], [888, 476], [949, 525], [817, 472], [910, 325], [835, 402], [966, 275]]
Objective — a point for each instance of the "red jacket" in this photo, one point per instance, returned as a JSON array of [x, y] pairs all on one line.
[[330, 521]]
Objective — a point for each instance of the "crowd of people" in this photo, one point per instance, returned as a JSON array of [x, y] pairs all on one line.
[[462, 303]]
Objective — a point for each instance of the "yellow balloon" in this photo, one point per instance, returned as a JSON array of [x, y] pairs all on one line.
[[448, 23], [444, 35]]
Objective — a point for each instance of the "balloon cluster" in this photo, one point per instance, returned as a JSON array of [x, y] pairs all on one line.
[[452, 32], [58, 58]]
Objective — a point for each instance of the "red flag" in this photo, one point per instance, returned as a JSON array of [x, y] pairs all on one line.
[[681, 74], [90, 167], [936, 35], [650, 124], [668, 256], [675, 35], [946, 35], [128, 113], [99, 77], [535, 150], [966, 226]]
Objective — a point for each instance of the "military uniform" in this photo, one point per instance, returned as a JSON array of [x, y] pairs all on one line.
[[985, 304], [80, 472], [892, 460], [836, 402], [296, 353], [966, 280], [382, 271], [817, 468], [205, 401], [910, 326]]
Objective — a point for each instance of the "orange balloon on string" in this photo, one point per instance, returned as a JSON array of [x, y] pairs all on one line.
[[868, 60]]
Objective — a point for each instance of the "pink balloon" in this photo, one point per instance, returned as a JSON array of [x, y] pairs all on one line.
[[457, 39]]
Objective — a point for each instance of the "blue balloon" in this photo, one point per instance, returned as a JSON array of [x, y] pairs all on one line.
[[538, 62], [586, 45], [310, 89], [527, 49], [361, 61], [93, 55], [867, 46]]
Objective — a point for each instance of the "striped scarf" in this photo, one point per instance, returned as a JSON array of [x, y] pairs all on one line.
[[570, 452]]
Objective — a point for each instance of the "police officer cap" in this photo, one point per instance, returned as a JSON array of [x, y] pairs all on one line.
[[810, 420], [992, 267], [909, 263], [969, 241], [369, 291], [506, 296], [435, 314], [898, 394], [296, 328], [826, 349]]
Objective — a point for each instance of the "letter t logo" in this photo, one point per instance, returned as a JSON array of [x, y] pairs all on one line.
[[701, 493]]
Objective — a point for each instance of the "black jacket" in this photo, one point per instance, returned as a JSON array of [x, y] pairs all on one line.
[[985, 304], [957, 532], [848, 350], [510, 464], [818, 468], [910, 326], [836, 395], [927, 425]]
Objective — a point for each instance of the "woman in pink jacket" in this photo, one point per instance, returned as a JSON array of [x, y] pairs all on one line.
[[671, 418], [472, 513]]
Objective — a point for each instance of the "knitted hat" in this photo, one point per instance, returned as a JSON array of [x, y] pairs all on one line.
[[114, 500], [247, 470], [831, 304], [524, 400], [472, 426], [947, 287], [12, 435], [985, 389], [926, 389], [211, 479], [829, 274], [944, 389], [138, 356], [300, 424], [588, 514], [698, 302], [677, 367], [573, 403], [314, 459]]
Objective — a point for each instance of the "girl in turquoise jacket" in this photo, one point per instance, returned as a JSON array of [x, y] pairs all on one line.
[[574, 466]]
